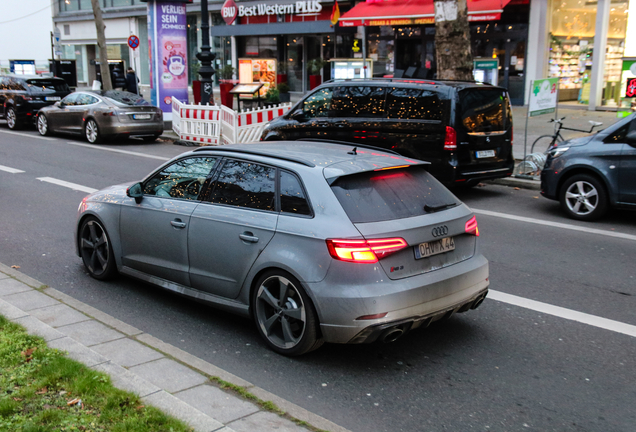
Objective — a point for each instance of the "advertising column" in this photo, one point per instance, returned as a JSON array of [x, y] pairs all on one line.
[[168, 52]]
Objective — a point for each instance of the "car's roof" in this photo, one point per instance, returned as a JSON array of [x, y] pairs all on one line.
[[30, 77], [336, 159], [460, 85]]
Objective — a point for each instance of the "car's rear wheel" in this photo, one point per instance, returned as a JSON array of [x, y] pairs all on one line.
[[284, 314], [583, 197], [43, 125], [12, 119], [96, 251], [91, 130]]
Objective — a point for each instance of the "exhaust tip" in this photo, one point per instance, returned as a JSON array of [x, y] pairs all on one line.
[[392, 335]]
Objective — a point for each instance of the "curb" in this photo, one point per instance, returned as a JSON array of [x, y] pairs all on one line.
[[293, 416]]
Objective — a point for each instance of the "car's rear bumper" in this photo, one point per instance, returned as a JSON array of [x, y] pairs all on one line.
[[344, 296], [474, 174], [133, 129]]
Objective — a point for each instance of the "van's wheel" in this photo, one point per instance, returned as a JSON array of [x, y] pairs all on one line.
[[91, 130], [583, 197], [12, 119], [96, 250], [284, 314]]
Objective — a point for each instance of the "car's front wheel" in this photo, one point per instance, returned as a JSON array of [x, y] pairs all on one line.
[[96, 251], [43, 125], [284, 314], [91, 130], [12, 118], [583, 197]]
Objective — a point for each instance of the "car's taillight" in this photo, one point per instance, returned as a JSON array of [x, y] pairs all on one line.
[[450, 141], [471, 226], [364, 251]]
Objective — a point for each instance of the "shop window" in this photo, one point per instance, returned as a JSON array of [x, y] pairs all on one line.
[[358, 101]]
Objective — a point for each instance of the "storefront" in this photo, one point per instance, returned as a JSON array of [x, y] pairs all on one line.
[[293, 33], [400, 37]]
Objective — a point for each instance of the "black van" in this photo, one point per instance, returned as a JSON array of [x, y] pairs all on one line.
[[463, 128], [22, 96]]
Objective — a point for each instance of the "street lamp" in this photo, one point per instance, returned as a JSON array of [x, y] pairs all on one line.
[[206, 57]]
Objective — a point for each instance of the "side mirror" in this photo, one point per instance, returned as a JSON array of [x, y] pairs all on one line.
[[630, 138], [298, 115], [135, 191], [58, 104]]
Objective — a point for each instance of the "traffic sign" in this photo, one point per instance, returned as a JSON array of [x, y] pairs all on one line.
[[133, 41]]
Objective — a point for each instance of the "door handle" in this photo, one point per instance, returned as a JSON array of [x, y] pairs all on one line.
[[248, 237], [177, 223]]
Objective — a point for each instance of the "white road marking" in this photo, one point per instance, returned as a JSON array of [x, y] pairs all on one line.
[[69, 185], [564, 313], [10, 170], [118, 151], [556, 224], [28, 135]]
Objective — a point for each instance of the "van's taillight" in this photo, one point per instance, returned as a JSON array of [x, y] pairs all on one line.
[[450, 142], [471, 226], [364, 251]]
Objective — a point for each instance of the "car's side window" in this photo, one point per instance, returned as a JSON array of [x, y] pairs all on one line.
[[15, 84], [4, 83], [413, 104], [358, 101], [245, 184], [292, 195], [618, 136], [70, 99], [183, 179], [318, 104], [86, 99]]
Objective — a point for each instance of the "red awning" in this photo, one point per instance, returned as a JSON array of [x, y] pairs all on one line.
[[406, 12]]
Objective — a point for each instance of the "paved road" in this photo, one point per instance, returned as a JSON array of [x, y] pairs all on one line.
[[516, 363]]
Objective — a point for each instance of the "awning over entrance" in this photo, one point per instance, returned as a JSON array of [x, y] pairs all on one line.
[[407, 12]]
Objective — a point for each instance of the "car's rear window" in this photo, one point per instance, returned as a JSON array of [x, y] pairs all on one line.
[[123, 98], [375, 196], [46, 86], [485, 110]]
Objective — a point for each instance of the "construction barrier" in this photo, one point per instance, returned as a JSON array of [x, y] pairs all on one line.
[[214, 125]]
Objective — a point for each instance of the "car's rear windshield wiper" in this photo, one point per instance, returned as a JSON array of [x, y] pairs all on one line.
[[433, 209]]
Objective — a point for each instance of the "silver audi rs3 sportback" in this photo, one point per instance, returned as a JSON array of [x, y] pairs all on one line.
[[316, 241]]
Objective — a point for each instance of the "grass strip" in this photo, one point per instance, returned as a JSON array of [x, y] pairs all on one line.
[[42, 390]]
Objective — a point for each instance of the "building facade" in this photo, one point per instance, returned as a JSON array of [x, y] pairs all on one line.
[[588, 45]]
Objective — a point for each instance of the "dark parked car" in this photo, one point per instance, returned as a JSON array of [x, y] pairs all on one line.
[[463, 129], [587, 175], [100, 115], [22, 96], [317, 242]]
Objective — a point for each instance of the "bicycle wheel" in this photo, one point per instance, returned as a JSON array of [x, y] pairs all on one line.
[[543, 143]]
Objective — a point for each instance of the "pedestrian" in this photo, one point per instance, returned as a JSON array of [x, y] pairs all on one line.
[[119, 81], [131, 81]]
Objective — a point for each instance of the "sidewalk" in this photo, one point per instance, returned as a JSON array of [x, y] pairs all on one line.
[[164, 376]]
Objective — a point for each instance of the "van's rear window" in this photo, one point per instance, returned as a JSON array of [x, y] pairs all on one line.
[[375, 196], [485, 110], [45, 85], [124, 98]]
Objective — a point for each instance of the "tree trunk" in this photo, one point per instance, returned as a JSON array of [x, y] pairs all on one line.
[[452, 41], [107, 84]]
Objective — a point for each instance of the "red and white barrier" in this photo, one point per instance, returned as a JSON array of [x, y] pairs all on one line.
[[214, 125]]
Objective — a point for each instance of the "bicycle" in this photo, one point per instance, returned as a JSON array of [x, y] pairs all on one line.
[[547, 141]]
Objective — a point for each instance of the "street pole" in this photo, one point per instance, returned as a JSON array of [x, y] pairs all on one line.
[[206, 57]]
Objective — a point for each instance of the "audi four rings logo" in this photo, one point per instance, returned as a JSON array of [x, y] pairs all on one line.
[[440, 231]]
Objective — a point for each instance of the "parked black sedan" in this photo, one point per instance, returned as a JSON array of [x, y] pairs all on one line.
[[587, 175], [99, 115]]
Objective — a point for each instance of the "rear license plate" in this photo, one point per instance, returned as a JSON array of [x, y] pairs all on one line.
[[485, 153], [424, 250], [141, 116], [52, 98]]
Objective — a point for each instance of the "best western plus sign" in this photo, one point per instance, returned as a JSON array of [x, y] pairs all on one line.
[[230, 11]]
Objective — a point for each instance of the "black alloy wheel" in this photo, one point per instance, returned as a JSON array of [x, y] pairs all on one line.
[[96, 251], [284, 315]]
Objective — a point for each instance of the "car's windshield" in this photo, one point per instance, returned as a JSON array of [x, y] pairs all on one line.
[[47, 85], [123, 98], [392, 194]]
